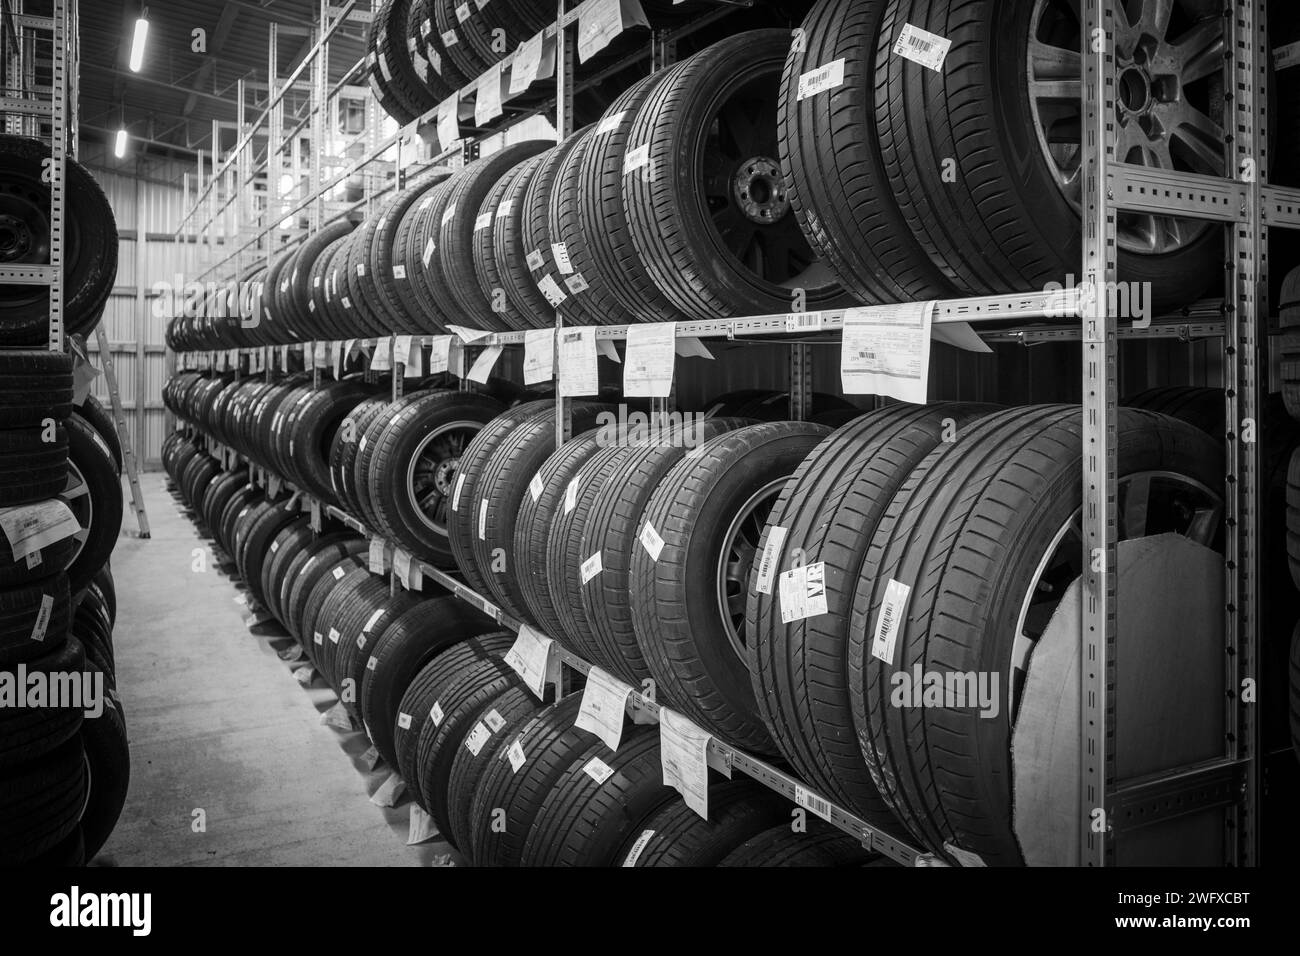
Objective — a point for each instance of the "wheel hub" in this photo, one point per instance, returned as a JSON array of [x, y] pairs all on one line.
[[760, 191], [16, 238], [445, 475]]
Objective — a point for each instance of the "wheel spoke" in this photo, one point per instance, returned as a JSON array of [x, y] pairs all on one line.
[[1153, 18], [76, 488], [1200, 135], [1056, 73], [1199, 52], [1137, 503]]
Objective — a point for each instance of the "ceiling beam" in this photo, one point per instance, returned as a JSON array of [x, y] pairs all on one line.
[[137, 78]]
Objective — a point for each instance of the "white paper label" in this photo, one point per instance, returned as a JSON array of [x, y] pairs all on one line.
[[506, 207], [610, 122], [435, 713], [487, 101], [462, 12], [484, 364], [455, 494], [477, 737], [684, 750], [448, 121], [767, 564], [338, 574], [579, 374], [536, 486], [29, 528], [893, 610], [430, 248], [598, 770], [374, 618], [591, 567], [527, 64], [552, 292], [886, 351], [638, 847], [576, 283], [536, 260], [539, 356], [449, 38], [650, 540], [404, 721], [361, 270], [635, 159], [494, 720], [333, 636], [448, 213], [399, 272], [483, 222], [439, 354], [375, 558], [822, 79], [600, 21], [516, 756], [571, 495], [803, 592], [818, 805], [604, 701], [651, 359], [560, 251], [963, 857], [803, 322], [532, 660], [382, 360], [1285, 57], [922, 46], [482, 520], [43, 617]]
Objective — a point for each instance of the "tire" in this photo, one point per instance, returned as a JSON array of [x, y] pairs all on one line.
[[320, 564], [89, 245], [108, 760], [585, 823], [822, 845], [533, 530], [1003, 225], [389, 282], [501, 492], [509, 253], [827, 514], [507, 801], [697, 661], [103, 584], [745, 256], [456, 233], [676, 835], [41, 802], [29, 733], [359, 627], [436, 431], [402, 651], [253, 557], [502, 716], [91, 466], [463, 515], [319, 635], [102, 420], [472, 674], [31, 468], [966, 533], [34, 386], [33, 619], [53, 559], [1294, 696], [487, 267], [328, 618], [612, 527]]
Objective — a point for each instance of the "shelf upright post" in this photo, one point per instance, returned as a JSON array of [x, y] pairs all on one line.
[[1100, 431], [73, 67], [58, 170], [15, 122], [274, 132], [1244, 330], [566, 50]]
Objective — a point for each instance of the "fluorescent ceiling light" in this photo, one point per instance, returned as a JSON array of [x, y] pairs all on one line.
[[137, 44], [119, 147]]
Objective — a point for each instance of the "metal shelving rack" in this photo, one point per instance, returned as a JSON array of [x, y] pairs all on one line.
[[1247, 206], [26, 108]]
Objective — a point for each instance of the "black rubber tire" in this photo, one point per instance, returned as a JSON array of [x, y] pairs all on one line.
[[318, 566], [463, 516], [34, 385], [828, 512], [682, 241], [585, 823], [50, 560], [41, 802], [1293, 517], [28, 733], [502, 715], [612, 528], [319, 636], [456, 231], [359, 627], [41, 608], [33, 469], [100, 418], [675, 609], [1002, 225], [504, 485], [89, 245], [401, 651], [509, 254], [602, 218], [475, 671], [966, 532], [822, 845], [103, 584], [487, 267], [533, 529], [1294, 696], [108, 760], [676, 835], [91, 456], [389, 460], [506, 801], [253, 557]]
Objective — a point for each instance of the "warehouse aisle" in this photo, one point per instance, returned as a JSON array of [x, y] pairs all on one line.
[[217, 723]]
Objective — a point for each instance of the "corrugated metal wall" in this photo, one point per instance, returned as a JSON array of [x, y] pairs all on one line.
[[146, 198]]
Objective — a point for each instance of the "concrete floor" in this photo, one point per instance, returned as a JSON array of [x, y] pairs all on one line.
[[218, 722]]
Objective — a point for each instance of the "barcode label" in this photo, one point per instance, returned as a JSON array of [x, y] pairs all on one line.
[[636, 158], [562, 262], [820, 80], [591, 567], [923, 47], [404, 721], [536, 260], [650, 540], [516, 755], [483, 222], [888, 623], [767, 566], [805, 798], [576, 283]]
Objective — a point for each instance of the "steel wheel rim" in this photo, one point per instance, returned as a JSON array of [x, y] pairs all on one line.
[[1169, 68], [1060, 565], [739, 549], [76, 495], [737, 148], [431, 472]]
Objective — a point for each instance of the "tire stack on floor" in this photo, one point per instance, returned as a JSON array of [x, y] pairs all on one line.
[[64, 759]]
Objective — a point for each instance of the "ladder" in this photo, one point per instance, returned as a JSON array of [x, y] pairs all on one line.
[[123, 430]]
